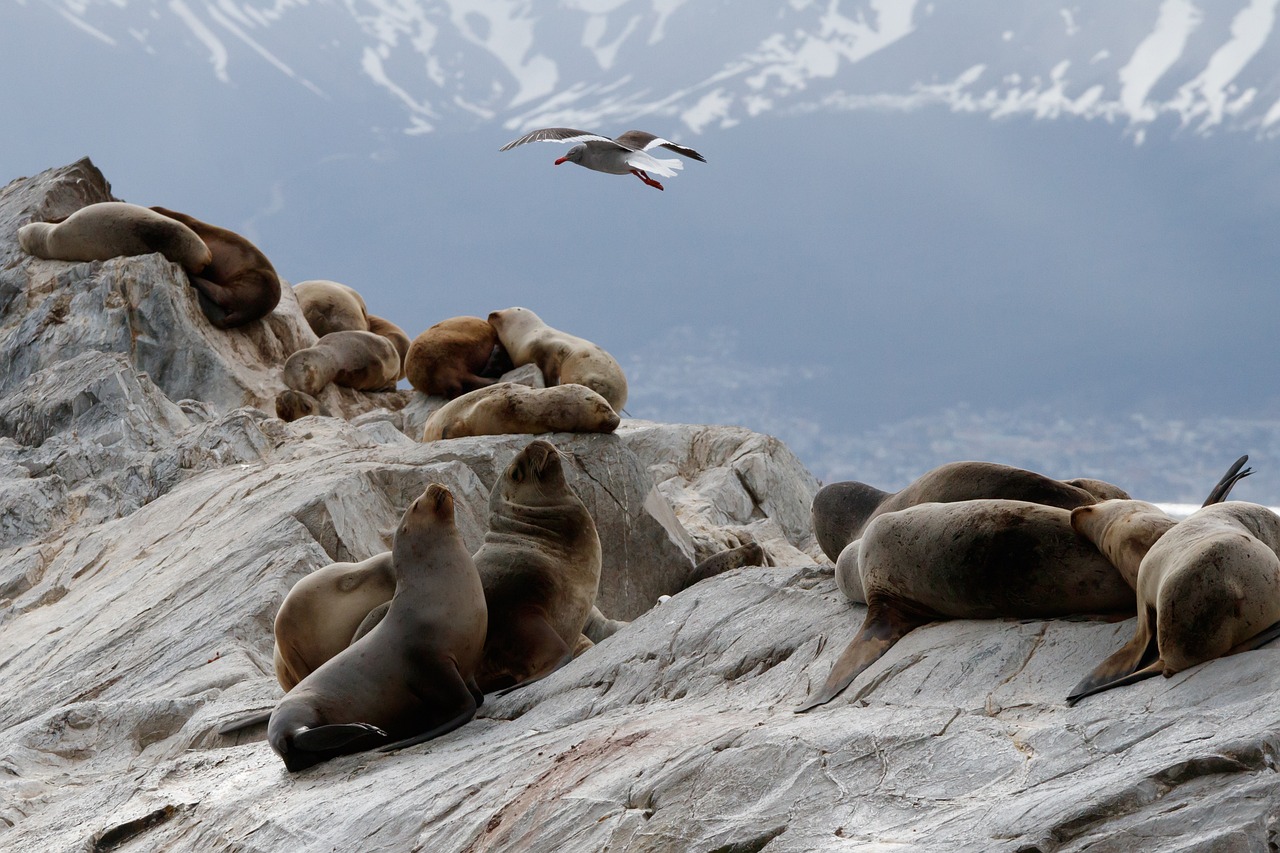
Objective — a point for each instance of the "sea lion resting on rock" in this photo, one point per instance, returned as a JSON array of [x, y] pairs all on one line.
[[360, 360], [112, 229], [239, 285], [842, 510], [452, 357], [393, 333], [412, 677], [562, 358], [979, 559], [330, 306], [511, 408], [322, 611]]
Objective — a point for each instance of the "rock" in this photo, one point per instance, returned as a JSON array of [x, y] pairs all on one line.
[[145, 545]]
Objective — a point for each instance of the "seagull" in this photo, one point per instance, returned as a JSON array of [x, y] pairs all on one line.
[[628, 153]]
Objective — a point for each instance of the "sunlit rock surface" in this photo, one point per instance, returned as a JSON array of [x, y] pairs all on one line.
[[153, 515]]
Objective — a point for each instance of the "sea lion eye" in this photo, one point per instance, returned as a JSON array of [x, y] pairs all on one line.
[[517, 474]]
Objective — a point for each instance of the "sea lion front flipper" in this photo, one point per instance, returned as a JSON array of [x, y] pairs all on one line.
[[371, 620], [451, 691], [600, 627], [1229, 479], [584, 643], [336, 736], [1136, 656], [530, 647], [245, 722], [886, 623]]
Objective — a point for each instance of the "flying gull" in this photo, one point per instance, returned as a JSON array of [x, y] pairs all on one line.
[[628, 153]]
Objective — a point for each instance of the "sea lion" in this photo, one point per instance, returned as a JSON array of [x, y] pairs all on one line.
[[291, 405], [412, 677], [239, 285], [750, 554], [393, 333], [508, 407], [112, 229], [330, 306], [841, 510], [979, 559], [540, 568], [360, 360], [1207, 588], [451, 357], [600, 627], [322, 611], [562, 358]]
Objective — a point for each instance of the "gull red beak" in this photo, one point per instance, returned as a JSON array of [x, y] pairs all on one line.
[[562, 160]]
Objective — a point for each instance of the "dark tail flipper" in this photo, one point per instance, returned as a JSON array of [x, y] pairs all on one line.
[[1234, 475]]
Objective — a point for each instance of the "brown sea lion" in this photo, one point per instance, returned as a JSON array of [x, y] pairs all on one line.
[[979, 559], [393, 333], [451, 357], [360, 360], [842, 510], [562, 358], [291, 405], [239, 285], [113, 229], [511, 408], [330, 306], [322, 611], [412, 677]]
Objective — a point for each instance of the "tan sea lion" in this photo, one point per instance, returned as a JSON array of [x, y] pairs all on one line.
[[1209, 587], [393, 333], [562, 358], [451, 357], [511, 408], [112, 229], [749, 554], [979, 559], [412, 677], [330, 306], [841, 510], [239, 285], [360, 360], [291, 405], [322, 611]]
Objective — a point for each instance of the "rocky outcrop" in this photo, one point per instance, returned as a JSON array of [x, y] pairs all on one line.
[[148, 534]]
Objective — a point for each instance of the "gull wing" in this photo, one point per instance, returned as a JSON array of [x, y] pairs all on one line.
[[557, 134], [643, 141]]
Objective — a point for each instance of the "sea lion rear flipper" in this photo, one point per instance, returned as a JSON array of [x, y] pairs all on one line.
[[245, 722], [1124, 666], [1229, 479], [1258, 640], [584, 643], [884, 625], [371, 620], [336, 736]]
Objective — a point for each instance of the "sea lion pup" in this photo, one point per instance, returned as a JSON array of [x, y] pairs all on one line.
[[979, 559], [360, 360], [451, 357], [508, 407], [562, 358], [330, 306], [412, 677], [322, 611], [841, 510], [113, 229], [239, 285], [291, 405], [393, 333]]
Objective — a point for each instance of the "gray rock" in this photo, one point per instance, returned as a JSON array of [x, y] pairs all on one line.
[[147, 545]]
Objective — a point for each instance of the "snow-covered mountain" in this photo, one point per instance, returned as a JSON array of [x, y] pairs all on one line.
[[909, 209], [714, 63]]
